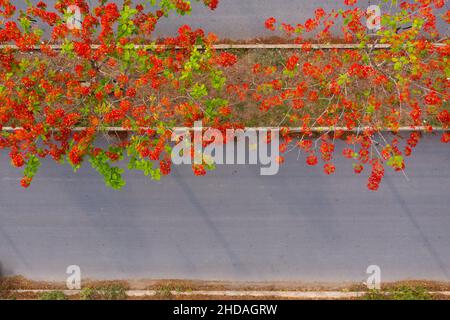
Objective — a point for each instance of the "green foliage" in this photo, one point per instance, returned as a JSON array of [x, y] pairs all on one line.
[[112, 175], [126, 24], [52, 295], [146, 166], [217, 80], [25, 23], [212, 105], [400, 293], [164, 293], [89, 294], [196, 60], [113, 292], [138, 163], [67, 48], [408, 293], [32, 166], [343, 79], [199, 91], [395, 161], [169, 5], [375, 295], [109, 292]]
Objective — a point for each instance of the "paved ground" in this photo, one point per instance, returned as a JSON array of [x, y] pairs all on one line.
[[244, 19], [232, 224]]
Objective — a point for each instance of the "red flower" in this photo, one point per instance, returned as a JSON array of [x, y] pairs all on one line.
[[212, 4], [17, 159], [350, 2], [183, 6], [199, 170], [444, 117], [75, 156], [292, 62], [432, 98], [313, 96], [348, 153], [329, 168], [312, 160], [358, 168], [270, 23], [376, 176], [226, 59], [131, 92], [27, 82], [25, 182], [298, 104], [439, 3], [311, 24], [113, 156], [319, 13], [82, 49], [165, 167]]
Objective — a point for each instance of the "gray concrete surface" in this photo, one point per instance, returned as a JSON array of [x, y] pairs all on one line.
[[244, 19], [232, 224]]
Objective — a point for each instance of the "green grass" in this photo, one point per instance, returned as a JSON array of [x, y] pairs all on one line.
[[109, 292], [52, 295], [400, 293]]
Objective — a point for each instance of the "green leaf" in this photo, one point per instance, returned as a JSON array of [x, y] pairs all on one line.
[[199, 91]]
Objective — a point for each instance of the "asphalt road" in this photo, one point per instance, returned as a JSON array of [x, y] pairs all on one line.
[[232, 224], [244, 19]]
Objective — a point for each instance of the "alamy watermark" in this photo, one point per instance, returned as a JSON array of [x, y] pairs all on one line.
[[374, 280], [74, 18], [238, 146], [373, 22], [73, 281]]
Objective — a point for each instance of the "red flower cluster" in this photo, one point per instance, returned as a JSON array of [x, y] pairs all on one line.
[[212, 4], [82, 49], [226, 59], [328, 94], [17, 159], [350, 2], [329, 168], [292, 62], [199, 170], [312, 160], [376, 176], [183, 5], [270, 23]]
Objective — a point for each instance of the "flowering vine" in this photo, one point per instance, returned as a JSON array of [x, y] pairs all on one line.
[[110, 73], [360, 93]]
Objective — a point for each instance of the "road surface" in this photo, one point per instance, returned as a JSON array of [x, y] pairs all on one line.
[[244, 19], [232, 224]]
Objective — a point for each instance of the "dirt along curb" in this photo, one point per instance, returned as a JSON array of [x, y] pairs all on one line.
[[21, 288], [246, 295]]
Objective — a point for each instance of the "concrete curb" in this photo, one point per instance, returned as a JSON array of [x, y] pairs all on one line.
[[291, 129], [341, 46]]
